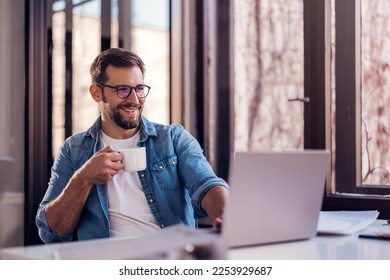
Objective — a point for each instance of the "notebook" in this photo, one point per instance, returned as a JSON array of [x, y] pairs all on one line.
[[274, 197]]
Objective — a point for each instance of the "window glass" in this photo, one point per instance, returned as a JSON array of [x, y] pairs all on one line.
[[373, 117], [58, 74], [375, 92], [333, 97], [268, 72], [86, 34], [150, 39]]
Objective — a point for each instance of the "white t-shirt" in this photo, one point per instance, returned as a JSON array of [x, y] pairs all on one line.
[[128, 211]]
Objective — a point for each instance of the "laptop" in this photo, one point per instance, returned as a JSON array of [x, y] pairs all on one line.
[[274, 197]]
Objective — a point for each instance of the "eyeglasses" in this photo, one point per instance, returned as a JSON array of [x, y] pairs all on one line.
[[124, 91]]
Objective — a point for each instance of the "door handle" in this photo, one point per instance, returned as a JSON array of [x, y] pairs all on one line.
[[300, 99]]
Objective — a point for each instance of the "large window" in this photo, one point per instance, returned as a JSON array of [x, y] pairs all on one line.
[[360, 78], [64, 36], [268, 75], [332, 56], [80, 30]]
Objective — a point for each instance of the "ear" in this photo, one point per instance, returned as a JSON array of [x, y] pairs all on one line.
[[95, 92]]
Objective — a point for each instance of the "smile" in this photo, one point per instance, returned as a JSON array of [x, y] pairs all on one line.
[[130, 110]]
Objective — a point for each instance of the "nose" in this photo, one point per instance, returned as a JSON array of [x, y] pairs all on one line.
[[133, 98]]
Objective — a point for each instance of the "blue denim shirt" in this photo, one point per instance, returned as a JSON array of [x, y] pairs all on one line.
[[174, 182]]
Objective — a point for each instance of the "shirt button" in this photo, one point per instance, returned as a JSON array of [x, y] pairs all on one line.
[[142, 175], [161, 167], [162, 226], [173, 163], [151, 200]]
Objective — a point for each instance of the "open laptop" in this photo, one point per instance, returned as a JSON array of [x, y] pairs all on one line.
[[274, 197]]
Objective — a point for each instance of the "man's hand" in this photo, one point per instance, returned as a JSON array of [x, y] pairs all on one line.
[[101, 167], [217, 224], [63, 213], [213, 203]]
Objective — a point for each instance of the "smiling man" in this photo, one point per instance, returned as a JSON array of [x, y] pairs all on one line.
[[90, 196]]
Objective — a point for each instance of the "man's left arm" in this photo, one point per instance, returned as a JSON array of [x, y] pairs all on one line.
[[213, 202]]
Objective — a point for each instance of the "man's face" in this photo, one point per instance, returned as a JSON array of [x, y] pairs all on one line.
[[124, 113]]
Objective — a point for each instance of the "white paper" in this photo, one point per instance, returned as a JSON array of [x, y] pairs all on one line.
[[345, 222]]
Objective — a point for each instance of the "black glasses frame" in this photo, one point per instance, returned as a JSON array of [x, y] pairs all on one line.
[[117, 88]]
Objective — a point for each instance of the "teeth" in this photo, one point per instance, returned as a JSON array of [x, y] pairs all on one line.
[[129, 110]]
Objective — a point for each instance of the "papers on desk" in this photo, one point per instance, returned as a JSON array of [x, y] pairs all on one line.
[[345, 222], [377, 231]]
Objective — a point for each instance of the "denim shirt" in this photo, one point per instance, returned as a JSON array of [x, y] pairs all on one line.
[[174, 182]]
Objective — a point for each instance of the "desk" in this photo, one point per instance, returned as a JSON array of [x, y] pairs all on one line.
[[348, 247], [322, 247]]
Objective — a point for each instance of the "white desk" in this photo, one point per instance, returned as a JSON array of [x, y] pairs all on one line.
[[322, 247], [349, 247]]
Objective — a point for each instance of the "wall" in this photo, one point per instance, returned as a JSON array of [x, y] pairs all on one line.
[[12, 114]]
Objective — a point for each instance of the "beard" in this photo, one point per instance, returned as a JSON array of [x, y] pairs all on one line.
[[116, 116], [120, 121]]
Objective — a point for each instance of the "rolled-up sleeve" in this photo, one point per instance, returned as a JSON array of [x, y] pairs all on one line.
[[44, 231], [196, 172], [61, 172]]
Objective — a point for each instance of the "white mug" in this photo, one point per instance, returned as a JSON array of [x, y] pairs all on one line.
[[134, 159]]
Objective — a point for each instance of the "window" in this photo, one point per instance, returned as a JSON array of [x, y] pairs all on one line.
[[334, 56], [359, 122], [80, 30], [268, 71], [151, 28], [375, 99], [64, 36], [361, 76]]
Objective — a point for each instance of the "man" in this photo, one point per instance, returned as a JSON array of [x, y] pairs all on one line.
[[90, 196]]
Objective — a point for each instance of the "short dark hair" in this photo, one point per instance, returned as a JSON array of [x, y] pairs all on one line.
[[116, 57]]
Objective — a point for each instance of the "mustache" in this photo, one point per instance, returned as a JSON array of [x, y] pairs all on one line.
[[129, 105]]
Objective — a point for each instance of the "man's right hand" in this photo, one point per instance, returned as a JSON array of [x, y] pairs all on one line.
[[101, 167], [64, 211]]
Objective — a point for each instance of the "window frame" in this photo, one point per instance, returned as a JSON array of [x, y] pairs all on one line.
[[348, 194], [37, 153]]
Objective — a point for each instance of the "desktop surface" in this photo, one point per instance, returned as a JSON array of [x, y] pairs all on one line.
[[321, 247]]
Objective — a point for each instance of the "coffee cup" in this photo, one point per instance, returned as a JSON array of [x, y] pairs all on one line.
[[134, 159]]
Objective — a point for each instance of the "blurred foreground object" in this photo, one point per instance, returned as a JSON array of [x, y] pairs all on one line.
[[177, 242]]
